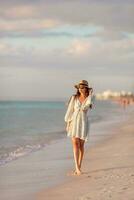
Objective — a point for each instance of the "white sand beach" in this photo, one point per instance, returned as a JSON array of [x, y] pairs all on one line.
[[108, 171]]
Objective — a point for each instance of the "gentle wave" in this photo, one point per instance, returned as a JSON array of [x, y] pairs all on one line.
[[9, 154], [18, 152]]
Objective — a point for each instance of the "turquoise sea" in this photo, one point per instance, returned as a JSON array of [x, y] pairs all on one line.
[[27, 126]]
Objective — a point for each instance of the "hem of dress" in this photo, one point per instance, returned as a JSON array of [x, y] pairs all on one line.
[[86, 139]]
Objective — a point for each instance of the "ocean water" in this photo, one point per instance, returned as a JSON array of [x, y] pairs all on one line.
[[28, 126]]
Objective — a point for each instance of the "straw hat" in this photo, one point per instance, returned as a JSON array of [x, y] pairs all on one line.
[[82, 82]]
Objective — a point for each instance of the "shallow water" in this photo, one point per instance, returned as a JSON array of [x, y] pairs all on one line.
[[27, 126]]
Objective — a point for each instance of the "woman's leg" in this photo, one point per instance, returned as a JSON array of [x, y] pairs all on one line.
[[76, 150], [81, 153]]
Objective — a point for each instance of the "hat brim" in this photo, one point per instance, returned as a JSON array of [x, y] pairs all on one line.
[[77, 86]]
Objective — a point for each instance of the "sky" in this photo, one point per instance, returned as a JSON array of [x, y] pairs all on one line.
[[48, 46]]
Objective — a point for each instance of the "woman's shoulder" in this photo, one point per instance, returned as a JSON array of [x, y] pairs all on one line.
[[73, 95], [71, 98]]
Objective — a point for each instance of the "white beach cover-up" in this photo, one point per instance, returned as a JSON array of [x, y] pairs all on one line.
[[76, 118]]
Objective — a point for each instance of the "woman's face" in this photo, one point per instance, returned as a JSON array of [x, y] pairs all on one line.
[[82, 89]]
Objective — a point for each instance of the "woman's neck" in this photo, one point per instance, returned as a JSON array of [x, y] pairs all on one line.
[[83, 95]]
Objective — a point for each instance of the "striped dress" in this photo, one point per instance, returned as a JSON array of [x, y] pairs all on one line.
[[76, 118]]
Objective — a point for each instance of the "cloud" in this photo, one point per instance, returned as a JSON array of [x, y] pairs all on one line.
[[87, 48], [40, 26], [78, 47], [72, 39], [116, 16], [26, 25], [7, 49], [109, 15], [93, 48], [23, 11]]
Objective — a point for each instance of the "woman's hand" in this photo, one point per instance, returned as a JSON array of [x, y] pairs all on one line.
[[91, 106], [85, 111]]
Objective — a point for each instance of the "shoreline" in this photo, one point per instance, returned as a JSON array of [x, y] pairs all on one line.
[[47, 169], [108, 170]]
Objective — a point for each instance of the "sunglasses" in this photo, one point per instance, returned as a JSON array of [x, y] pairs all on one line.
[[81, 87]]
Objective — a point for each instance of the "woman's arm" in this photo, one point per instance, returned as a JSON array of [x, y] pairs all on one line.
[[89, 103], [70, 110]]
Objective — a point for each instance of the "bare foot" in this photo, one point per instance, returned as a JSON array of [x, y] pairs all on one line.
[[78, 172], [73, 172]]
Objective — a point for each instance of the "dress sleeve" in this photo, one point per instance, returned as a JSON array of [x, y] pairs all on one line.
[[88, 103], [69, 111]]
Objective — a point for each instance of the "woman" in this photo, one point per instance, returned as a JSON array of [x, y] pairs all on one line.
[[77, 124]]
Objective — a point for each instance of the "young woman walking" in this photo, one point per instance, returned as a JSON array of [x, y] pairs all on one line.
[[77, 123]]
